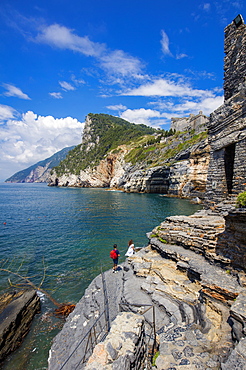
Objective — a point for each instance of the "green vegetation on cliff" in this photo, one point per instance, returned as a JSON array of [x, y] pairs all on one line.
[[105, 134], [145, 146], [163, 148], [241, 199]]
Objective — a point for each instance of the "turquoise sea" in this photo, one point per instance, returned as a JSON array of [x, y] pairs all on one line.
[[69, 232]]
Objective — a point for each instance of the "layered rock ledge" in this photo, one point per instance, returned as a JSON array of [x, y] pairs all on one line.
[[17, 310], [200, 311]]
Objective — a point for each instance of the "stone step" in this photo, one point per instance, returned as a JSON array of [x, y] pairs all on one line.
[[135, 299]]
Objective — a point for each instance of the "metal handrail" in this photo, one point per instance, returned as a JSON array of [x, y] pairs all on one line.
[[93, 326], [84, 337], [153, 328], [104, 329]]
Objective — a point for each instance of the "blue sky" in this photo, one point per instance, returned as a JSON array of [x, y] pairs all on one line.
[[143, 60]]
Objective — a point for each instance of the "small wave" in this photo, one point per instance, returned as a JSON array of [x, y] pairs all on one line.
[[41, 296]]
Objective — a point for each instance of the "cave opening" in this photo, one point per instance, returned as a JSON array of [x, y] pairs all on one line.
[[229, 166]]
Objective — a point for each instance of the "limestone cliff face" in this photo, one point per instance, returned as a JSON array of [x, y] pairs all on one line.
[[185, 178], [106, 174], [188, 177]]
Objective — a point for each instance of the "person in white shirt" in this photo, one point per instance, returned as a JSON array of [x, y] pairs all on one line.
[[131, 249]]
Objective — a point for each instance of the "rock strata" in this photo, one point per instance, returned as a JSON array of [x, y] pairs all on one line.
[[15, 319]]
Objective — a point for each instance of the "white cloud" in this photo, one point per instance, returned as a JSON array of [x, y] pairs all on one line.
[[66, 86], [165, 44], [207, 105], [112, 62], [164, 87], [181, 56], [64, 38], [206, 6], [119, 62], [6, 112], [117, 107], [185, 107], [34, 138], [140, 116], [56, 95], [77, 81], [15, 91]]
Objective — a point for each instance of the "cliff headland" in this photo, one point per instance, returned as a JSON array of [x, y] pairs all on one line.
[[135, 158]]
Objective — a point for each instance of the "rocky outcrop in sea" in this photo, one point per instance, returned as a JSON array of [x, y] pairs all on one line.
[[17, 310]]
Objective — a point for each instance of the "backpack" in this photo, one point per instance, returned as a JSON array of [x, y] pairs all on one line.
[[113, 254]]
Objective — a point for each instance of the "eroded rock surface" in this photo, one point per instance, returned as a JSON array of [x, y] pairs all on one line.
[[16, 313]]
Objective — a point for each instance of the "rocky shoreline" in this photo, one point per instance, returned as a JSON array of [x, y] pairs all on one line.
[[200, 314]]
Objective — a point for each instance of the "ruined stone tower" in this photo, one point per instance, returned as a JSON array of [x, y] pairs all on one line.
[[227, 125]]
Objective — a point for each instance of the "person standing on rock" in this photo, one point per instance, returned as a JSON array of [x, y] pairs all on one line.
[[115, 254]]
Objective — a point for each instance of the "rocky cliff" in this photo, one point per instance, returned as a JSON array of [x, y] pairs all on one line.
[[150, 162]]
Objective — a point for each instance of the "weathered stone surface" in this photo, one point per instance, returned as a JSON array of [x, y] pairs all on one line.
[[238, 309], [198, 232], [78, 323], [15, 320], [128, 329], [237, 359], [234, 61], [232, 242], [218, 238]]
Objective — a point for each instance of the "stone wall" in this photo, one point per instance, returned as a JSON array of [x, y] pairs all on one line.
[[234, 61], [196, 122], [232, 242], [227, 137], [123, 348], [227, 125]]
